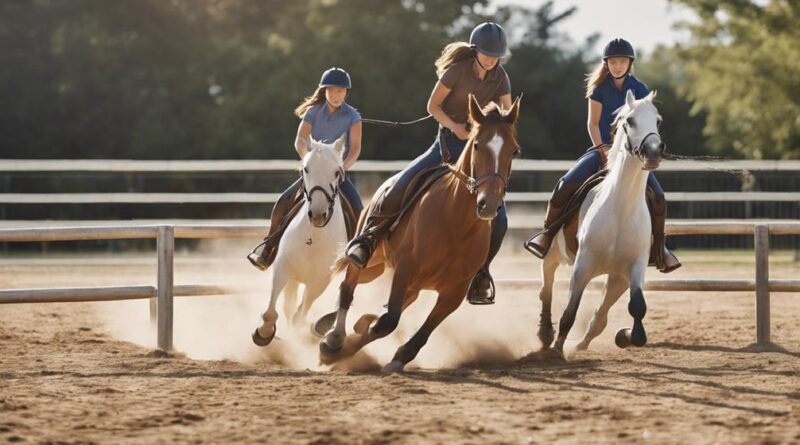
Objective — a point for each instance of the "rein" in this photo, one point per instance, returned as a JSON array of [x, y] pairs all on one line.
[[395, 123]]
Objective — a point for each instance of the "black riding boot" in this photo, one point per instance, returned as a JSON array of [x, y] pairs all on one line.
[[481, 289], [539, 243], [265, 252]]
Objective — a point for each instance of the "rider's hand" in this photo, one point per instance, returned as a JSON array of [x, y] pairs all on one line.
[[604, 147], [461, 131]]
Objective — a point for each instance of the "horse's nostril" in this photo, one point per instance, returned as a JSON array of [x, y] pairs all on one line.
[[662, 146], [481, 204], [309, 214]]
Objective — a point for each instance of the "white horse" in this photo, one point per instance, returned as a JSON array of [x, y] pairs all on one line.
[[613, 232], [310, 245]]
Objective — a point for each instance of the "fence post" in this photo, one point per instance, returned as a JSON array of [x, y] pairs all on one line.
[[761, 233], [165, 244]]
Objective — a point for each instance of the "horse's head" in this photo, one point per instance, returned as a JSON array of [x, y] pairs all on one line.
[[493, 144], [322, 174], [639, 121]]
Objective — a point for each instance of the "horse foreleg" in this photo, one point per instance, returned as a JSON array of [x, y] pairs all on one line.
[[580, 279], [290, 298], [615, 287], [333, 340], [264, 334], [637, 308], [447, 302], [549, 266]]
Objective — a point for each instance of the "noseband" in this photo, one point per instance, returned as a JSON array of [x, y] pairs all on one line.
[[471, 181], [629, 146], [330, 197]]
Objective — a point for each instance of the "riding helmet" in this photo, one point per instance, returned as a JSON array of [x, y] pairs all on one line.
[[490, 39], [619, 48], [335, 77]]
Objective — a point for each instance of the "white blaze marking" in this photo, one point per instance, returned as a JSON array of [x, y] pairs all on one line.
[[495, 145]]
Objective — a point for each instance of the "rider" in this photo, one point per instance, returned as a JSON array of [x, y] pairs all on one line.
[[463, 69], [325, 117], [605, 90]]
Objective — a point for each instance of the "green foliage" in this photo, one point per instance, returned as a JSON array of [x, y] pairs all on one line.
[[742, 67], [219, 79]]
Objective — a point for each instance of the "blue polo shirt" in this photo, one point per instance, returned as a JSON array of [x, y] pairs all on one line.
[[612, 99], [328, 127]]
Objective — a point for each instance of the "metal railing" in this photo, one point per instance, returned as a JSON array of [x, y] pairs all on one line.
[[161, 296]]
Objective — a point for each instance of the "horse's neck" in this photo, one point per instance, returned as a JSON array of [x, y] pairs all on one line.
[[626, 181]]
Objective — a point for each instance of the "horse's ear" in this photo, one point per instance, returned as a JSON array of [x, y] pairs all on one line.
[[513, 113], [630, 99], [310, 143], [338, 146], [475, 112]]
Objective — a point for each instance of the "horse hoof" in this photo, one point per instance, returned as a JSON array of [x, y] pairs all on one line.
[[394, 367], [264, 341], [363, 323], [623, 338], [324, 324], [329, 351], [638, 336]]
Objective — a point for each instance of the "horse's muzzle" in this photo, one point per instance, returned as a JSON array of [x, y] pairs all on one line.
[[318, 220], [652, 153], [486, 210]]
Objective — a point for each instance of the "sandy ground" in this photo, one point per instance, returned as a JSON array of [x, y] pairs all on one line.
[[87, 372]]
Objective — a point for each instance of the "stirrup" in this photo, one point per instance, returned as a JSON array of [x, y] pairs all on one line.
[[534, 248], [363, 243], [480, 300]]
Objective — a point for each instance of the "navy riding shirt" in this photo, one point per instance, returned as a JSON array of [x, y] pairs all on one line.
[[613, 99]]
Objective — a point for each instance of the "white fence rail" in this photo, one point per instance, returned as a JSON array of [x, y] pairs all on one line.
[[161, 296]]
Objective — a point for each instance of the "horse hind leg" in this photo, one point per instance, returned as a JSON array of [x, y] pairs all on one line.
[[580, 279], [446, 303], [265, 333], [549, 266], [615, 287], [311, 292]]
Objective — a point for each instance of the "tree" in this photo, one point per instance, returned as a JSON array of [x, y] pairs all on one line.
[[742, 67]]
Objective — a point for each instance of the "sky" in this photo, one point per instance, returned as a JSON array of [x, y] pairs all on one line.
[[645, 23]]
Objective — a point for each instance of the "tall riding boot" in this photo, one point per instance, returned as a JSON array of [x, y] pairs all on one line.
[[265, 252], [660, 256], [540, 243]]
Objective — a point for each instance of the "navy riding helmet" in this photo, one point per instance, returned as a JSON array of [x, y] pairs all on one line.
[[619, 48], [490, 39], [335, 77]]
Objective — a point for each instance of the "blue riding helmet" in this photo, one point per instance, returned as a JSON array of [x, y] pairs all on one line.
[[619, 48], [335, 77], [490, 39]]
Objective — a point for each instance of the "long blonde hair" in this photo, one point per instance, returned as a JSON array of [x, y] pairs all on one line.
[[598, 76], [317, 98], [451, 54]]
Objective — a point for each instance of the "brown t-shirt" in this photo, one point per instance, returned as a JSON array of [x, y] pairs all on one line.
[[462, 80]]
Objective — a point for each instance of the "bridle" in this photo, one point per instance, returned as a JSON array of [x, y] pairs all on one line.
[[471, 181], [329, 196]]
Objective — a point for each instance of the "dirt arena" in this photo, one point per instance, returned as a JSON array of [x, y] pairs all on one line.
[[88, 373]]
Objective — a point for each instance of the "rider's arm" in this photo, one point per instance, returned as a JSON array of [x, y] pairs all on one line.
[[303, 132], [438, 95], [593, 123], [355, 146]]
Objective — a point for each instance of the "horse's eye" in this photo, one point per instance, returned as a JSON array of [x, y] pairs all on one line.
[[631, 122], [517, 152], [338, 173], [305, 169]]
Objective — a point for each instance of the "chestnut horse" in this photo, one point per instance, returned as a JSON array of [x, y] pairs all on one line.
[[439, 244]]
